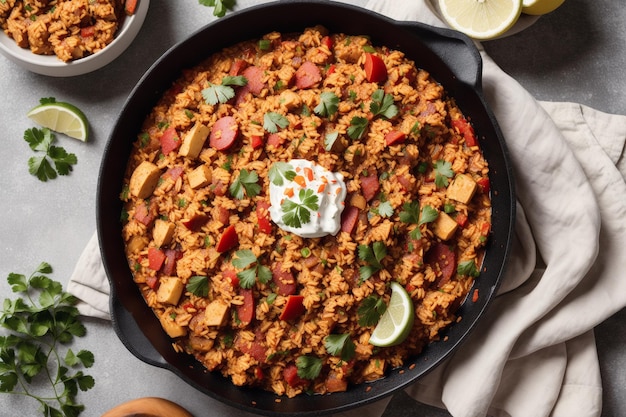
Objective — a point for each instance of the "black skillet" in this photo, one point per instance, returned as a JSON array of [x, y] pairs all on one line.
[[451, 58]]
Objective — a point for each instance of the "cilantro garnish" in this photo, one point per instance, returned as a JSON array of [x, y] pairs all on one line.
[[220, 7], [372, 255], [382, 105], [198, 285], [272, 121], [309, 367], [411, 214], [467, 268], [40, 140], [247, 278], [329, 140], [443, 171], [39, 324], [221, 93], [297, 214], [357, 127], [340, 345], [370, 310], [280, 170], [247, 180], [384, 209], [329, 103]]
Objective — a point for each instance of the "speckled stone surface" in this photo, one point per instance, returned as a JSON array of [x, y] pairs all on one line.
[[577, 53]]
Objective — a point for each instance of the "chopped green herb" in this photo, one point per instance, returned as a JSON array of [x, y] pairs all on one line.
[[265, 44], [309, 367], [247, 180], [467, 268], [410, 212], [340, 345], [429, 214], [271, 297], [40, 140], [443, 171], [297, 214], [369, 48], [370, 310], [329, 103], [329, 140], [272, 121], [247, 278], [449, 208], [280, 170], [382, 105], [189, 114], [384, 209], [357, 127], [198, 285], [220, 7], [372, 256], [305, 252], [221, 93]]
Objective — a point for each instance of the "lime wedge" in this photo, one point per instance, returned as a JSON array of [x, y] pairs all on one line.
[[539, 7], [395, 324], [62, 118], [481, 19]]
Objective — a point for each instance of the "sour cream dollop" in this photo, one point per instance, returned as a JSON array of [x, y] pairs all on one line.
[[328, 186]]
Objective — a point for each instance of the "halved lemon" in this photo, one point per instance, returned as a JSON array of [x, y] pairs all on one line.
[[539, 7], [62, 118], [396, 322], [481, 19]]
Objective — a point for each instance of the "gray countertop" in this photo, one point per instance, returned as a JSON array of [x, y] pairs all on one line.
[[577, 53]]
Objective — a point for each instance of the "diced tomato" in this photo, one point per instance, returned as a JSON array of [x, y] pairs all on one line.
[[370, 185], [263, 216], [394, 137], [475, 295], [275, 140], [284, 280], [231, 275], [156, 258], [169, 140], [196, 222], [171, 256], [87, 32], [229, 240], [152, 282], [441, 258], [256, 141], [328, 42], [258, 373], [330, 70], [290, 373], [485, 228], [237, 66], [245, 311], [294, 308], [349, 218], [484, 185], [466, 130], [223, 133], [375, 69], [308, 75], [130, 6], [461, 219]]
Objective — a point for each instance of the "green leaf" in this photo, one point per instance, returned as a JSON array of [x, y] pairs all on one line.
[[330, 139], [86, 358], [85, 382], [297, 214], [372, 255], [329, 103], [467, 268], [17, 282], [8, 381], [247, 278], [272, 121], [264, 273], [40, 166], [443, 171], [370, 310], [198, 285], [243, 258], [410, 212], [309, 367], [429, 214], [280, 170], [382, 105], [247, 180], [340, 345], [357, 127]]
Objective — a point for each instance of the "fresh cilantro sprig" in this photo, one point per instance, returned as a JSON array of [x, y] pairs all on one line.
[[39, 322], [382, 105], [247, 180], [372, 255], [370, 310], [220, 7], [384, 209], [198, 285], [411, 214], [467, 268], [280, 170], [309, 367], [330, 139], [357, 127], [273, 120], [340, 345], [40, 140], [247, 278], [443, 171], [221, 93], [329, 103], [297, 214]]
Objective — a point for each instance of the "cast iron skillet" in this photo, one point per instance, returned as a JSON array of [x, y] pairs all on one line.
[[450, 57]]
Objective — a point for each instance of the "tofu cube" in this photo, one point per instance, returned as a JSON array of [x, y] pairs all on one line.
[[144, 179], [444, 226], [170, 290], [374, 370], [200, 177], [216, 314], [172, 328], [194, 141], [163, 232], [462, 189]]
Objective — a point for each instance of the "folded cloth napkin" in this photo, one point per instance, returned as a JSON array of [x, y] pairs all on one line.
[[534, 353]]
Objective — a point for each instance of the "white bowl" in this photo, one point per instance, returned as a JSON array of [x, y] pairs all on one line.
[[53, 66]]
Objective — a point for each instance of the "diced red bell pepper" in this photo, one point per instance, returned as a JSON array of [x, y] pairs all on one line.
[[256, 141], [375, 69], [196, 222], [275, 140], [328, 42], [461, 219], [87, 32], [349, 218], [466, 130], [156, 257], [229, 240], [231, 275], [169, 140], [263, 216], [290, 373], [245, 311], [294, 308], [394, 137], [484, 185], [130, 7]]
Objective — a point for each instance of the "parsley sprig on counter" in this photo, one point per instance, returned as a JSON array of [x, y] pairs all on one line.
[[40, 322], [220, 7], [52, 160]]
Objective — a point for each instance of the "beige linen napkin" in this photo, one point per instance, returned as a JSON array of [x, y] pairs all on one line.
[[534, 352]]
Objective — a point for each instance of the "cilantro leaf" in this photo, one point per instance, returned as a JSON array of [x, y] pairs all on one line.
[[372, 255], [429, 214], [467, 268], [272, 121], [198, 285], [247, 180], [247, 278], [384, 209], [357, 127], [443, 171], [220, 7], [330, 139], [221, 93], [410, 212], [297, 214], [329, 103], [340, 345], [280, 170], [382, 105], [370, 310], [309, 367], [40, 140], [62, 160], [243, 258]]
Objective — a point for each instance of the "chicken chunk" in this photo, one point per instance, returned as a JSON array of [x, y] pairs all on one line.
[[144, 179], [216, 314], [194, 141], [172, 328], [200, 177], [163, 232], [444, 226], [462, 189], [170, 290]]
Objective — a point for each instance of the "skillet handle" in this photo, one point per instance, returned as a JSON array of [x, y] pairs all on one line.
[[455, 49]]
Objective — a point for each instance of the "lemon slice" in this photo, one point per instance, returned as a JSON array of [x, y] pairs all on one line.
[[481, 19], [62, 118], [395, 324], [539, 7]]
